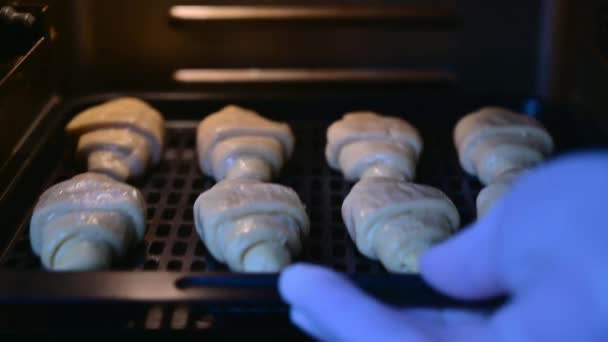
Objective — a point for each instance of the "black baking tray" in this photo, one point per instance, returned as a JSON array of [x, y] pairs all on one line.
[[171, 277]]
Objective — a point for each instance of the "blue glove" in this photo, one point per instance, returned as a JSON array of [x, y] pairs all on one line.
[[545, 245]]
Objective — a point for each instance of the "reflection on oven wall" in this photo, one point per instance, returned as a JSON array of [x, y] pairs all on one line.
[[143, 44], [478, 46]]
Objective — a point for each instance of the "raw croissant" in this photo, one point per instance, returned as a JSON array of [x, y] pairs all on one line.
[[365, 144], [494, 191], [250, 225], [494, 141], [120, 138], [85, 222], [395, 221], [239, 143]]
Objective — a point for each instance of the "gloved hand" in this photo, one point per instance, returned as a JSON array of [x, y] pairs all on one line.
[[545, 245]]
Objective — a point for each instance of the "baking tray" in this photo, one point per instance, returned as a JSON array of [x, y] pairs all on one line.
[[171, 274]]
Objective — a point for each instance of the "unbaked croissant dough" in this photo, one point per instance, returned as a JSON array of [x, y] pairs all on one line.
[[250, 225], [120, 138], [366, 144], [494, 191], [239, 143], [494, 141], [85, 222], [395, 221]]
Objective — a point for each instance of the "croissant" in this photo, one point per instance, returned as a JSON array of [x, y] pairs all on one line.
[[250, 225], [239, 143], [395, 221], [120, 138], [494, 191], [85, 222], [366, 144], [494, 141]]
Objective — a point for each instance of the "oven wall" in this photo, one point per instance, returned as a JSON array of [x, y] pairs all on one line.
[[550, 48], [468, 45]]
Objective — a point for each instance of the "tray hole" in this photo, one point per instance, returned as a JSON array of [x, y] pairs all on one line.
[[336, 199], [22, 246], [338, 250], [294, 183], [192, 198], [312, 208], [151, 264], [173, 198], [159, 183], [33, 263], [200, 249], [459, 198], [315, 251], [189, 141], [174, 265], [179, 249], [335, 173], [315, 216], [297, 169], [340, 267], [173, 141], [198, 183], [315, 184], [315, 233], [150, 213], [183, 168], [208, 184], [454, 184], [198, 265], [315, 200], [179, 183], [335, 184], [164, 168], [188, 215], [184, 231], [156, 247], [168, 214], [336, 213], [315, 170], [162, 230], [153, 197], [11, 263], [338, 234], [362, 267]]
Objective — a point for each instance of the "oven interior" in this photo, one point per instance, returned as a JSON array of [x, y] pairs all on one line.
[[306, 63]]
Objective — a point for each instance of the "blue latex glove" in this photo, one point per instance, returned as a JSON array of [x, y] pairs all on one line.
[[545, 245]]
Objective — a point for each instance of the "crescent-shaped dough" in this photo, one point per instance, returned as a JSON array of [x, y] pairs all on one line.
[[495, 141], [238, 143], [120, 138], [395, 221], [366, 144], [250, 225], [85, 222], [494, 191]]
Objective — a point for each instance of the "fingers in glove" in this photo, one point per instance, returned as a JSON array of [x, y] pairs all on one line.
[[334, 309], [550, 311], [302, 321], [446, 324], [466, 265]]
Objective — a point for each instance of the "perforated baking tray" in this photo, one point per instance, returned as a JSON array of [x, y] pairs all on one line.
[[172, 265]]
